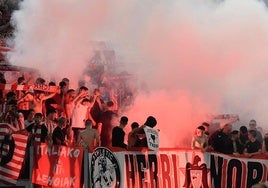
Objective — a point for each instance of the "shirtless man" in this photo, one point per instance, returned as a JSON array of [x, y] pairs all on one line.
[[36, 100]]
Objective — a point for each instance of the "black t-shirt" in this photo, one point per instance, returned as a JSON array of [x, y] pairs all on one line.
[[118, 136], [107, 127], [244, 139], [221, 142], [239, 147], [96, 111], [58, 134], [253, 147]]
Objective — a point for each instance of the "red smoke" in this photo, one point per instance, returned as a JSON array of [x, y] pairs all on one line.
[[192, 58]]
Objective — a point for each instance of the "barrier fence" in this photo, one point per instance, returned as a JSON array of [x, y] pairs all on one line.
[[166, 168]]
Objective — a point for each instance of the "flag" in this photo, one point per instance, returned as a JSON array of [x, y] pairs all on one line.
[[12, 157], [152, 137], [6, 129], [45, 88]]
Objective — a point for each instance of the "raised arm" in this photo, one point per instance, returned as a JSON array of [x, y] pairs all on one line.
[[89, 116], [48, 96], [79, 98]]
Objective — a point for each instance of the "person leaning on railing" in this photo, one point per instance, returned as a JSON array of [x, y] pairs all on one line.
[[200, 140], [253, 147]]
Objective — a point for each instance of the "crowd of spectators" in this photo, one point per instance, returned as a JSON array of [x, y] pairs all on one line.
[[65, 116], [248, 141]]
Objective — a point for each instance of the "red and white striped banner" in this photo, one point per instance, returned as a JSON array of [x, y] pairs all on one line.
[[6, 129], [10, 171]]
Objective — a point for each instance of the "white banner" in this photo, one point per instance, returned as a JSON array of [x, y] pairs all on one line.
[[173, 168]]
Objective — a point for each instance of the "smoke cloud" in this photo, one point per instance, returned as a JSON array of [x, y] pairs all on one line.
[[192, 58]]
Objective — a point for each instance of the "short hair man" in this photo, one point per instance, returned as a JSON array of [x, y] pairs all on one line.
[[89, 137], [58, 135], [150, 122], [253, 147], [220, 140], [118, 133], [253, 126], [132, 136], [38, 129]]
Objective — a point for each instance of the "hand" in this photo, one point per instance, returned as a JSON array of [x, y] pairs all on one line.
[[85, 94], [98, 100], [236, 154], [248, 155]]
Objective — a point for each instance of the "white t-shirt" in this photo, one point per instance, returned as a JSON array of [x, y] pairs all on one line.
[[79, 115]]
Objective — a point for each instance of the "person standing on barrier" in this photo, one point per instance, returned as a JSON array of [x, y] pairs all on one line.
[[199, 140], [81, 113], [89, 137], [70, 99], [97, 105], [107, 120], [142, 139], [57, 101], [36, 100], [132, 136], [22, 106], [118, 134]]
